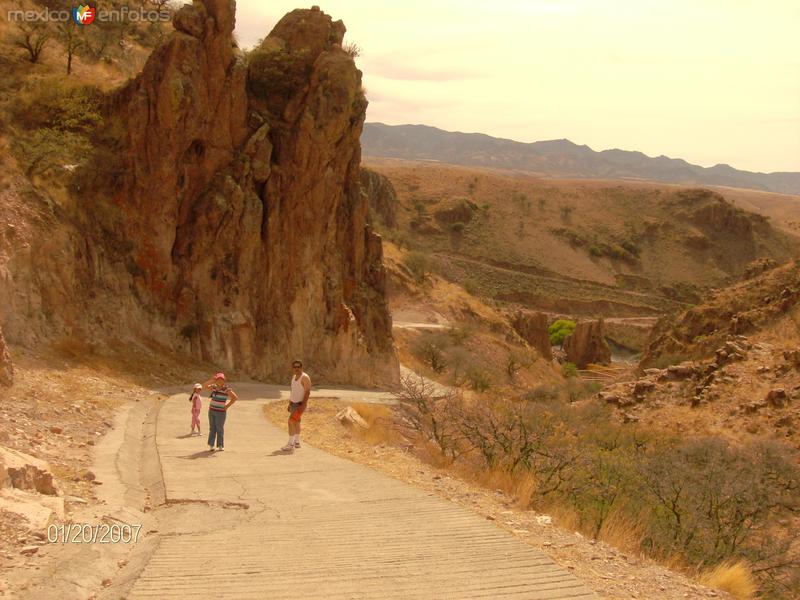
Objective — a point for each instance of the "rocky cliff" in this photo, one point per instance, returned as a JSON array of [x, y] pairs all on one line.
[[746, 307], [587, 344], [382, 196], [228, 219], [6, 367], [532, 327]]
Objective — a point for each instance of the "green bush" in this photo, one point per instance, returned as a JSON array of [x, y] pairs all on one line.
[[478, 379], [596, 251], [60, 118], [45, 150], [559, 330], [632, 248], [55, 104], [569, 370], [419, 264], [457, 228]]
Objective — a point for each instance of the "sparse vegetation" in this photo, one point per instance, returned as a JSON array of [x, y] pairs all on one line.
[[431, 354], [522, 203], [352, 49], [478, 379], [32, 37], [513, 366], [699, 502], [60, 118], [542, 393], [569, 370]]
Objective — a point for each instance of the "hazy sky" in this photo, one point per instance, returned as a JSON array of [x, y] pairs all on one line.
[[710, 81]]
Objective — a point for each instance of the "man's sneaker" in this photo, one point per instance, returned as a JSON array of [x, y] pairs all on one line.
[[220, 448], [288, 448], [211, 448], [297, 444]]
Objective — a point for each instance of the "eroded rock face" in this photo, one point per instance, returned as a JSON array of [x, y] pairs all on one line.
[[6, 367], [241, 201], [382, 196], [587, 344], [532, 327]]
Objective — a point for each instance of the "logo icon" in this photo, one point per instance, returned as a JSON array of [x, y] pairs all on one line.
[[83, 14]]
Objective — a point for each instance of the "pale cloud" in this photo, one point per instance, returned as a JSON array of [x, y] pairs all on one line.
[[388, 67], [711, 81]]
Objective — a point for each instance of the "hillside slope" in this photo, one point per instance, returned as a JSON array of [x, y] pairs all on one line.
[[600, 248]]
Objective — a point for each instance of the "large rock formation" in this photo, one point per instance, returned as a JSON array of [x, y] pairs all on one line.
[[6, 367], [587, 344], [227, 219], [532, 327], [255, 232]]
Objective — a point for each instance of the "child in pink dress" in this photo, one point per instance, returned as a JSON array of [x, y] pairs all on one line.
[[197, 404]]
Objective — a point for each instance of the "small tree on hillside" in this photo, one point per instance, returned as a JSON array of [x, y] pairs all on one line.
[[32, 37], [559, 330], [73, 41]]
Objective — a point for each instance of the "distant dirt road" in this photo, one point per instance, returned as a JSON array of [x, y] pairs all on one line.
[[252, 523]]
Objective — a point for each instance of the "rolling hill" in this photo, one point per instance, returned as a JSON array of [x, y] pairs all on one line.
[[560, 158]]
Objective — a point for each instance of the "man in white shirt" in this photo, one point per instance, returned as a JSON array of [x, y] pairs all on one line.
[[298, 400]]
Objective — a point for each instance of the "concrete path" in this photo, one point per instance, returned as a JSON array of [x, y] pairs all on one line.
[[252, 522]]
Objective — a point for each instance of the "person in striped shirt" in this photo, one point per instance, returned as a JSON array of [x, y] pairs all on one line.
[[222, 398]]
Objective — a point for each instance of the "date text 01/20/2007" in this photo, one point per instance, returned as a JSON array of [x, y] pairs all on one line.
[[103, 533]]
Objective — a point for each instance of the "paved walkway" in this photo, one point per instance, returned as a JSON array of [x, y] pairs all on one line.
[[313, 526]]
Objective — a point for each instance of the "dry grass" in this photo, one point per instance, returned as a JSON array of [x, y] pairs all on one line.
[[734, 578], [379, 418], [623, 532]]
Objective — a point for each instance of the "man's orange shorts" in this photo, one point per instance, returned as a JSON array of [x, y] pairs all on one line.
[[296, 409]]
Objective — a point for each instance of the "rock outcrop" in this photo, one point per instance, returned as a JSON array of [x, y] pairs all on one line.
[[532, 327], [587, 344], [382, 196], [6, 366], [740, 309], [229, 221], [25, 472]]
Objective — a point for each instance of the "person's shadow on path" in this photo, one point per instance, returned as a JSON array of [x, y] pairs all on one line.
[[196, 455], [281, 452]]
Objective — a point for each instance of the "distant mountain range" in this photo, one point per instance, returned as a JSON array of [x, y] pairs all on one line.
[[558, 158]]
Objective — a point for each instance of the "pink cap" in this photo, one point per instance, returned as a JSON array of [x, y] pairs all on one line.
[[219, 375]]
